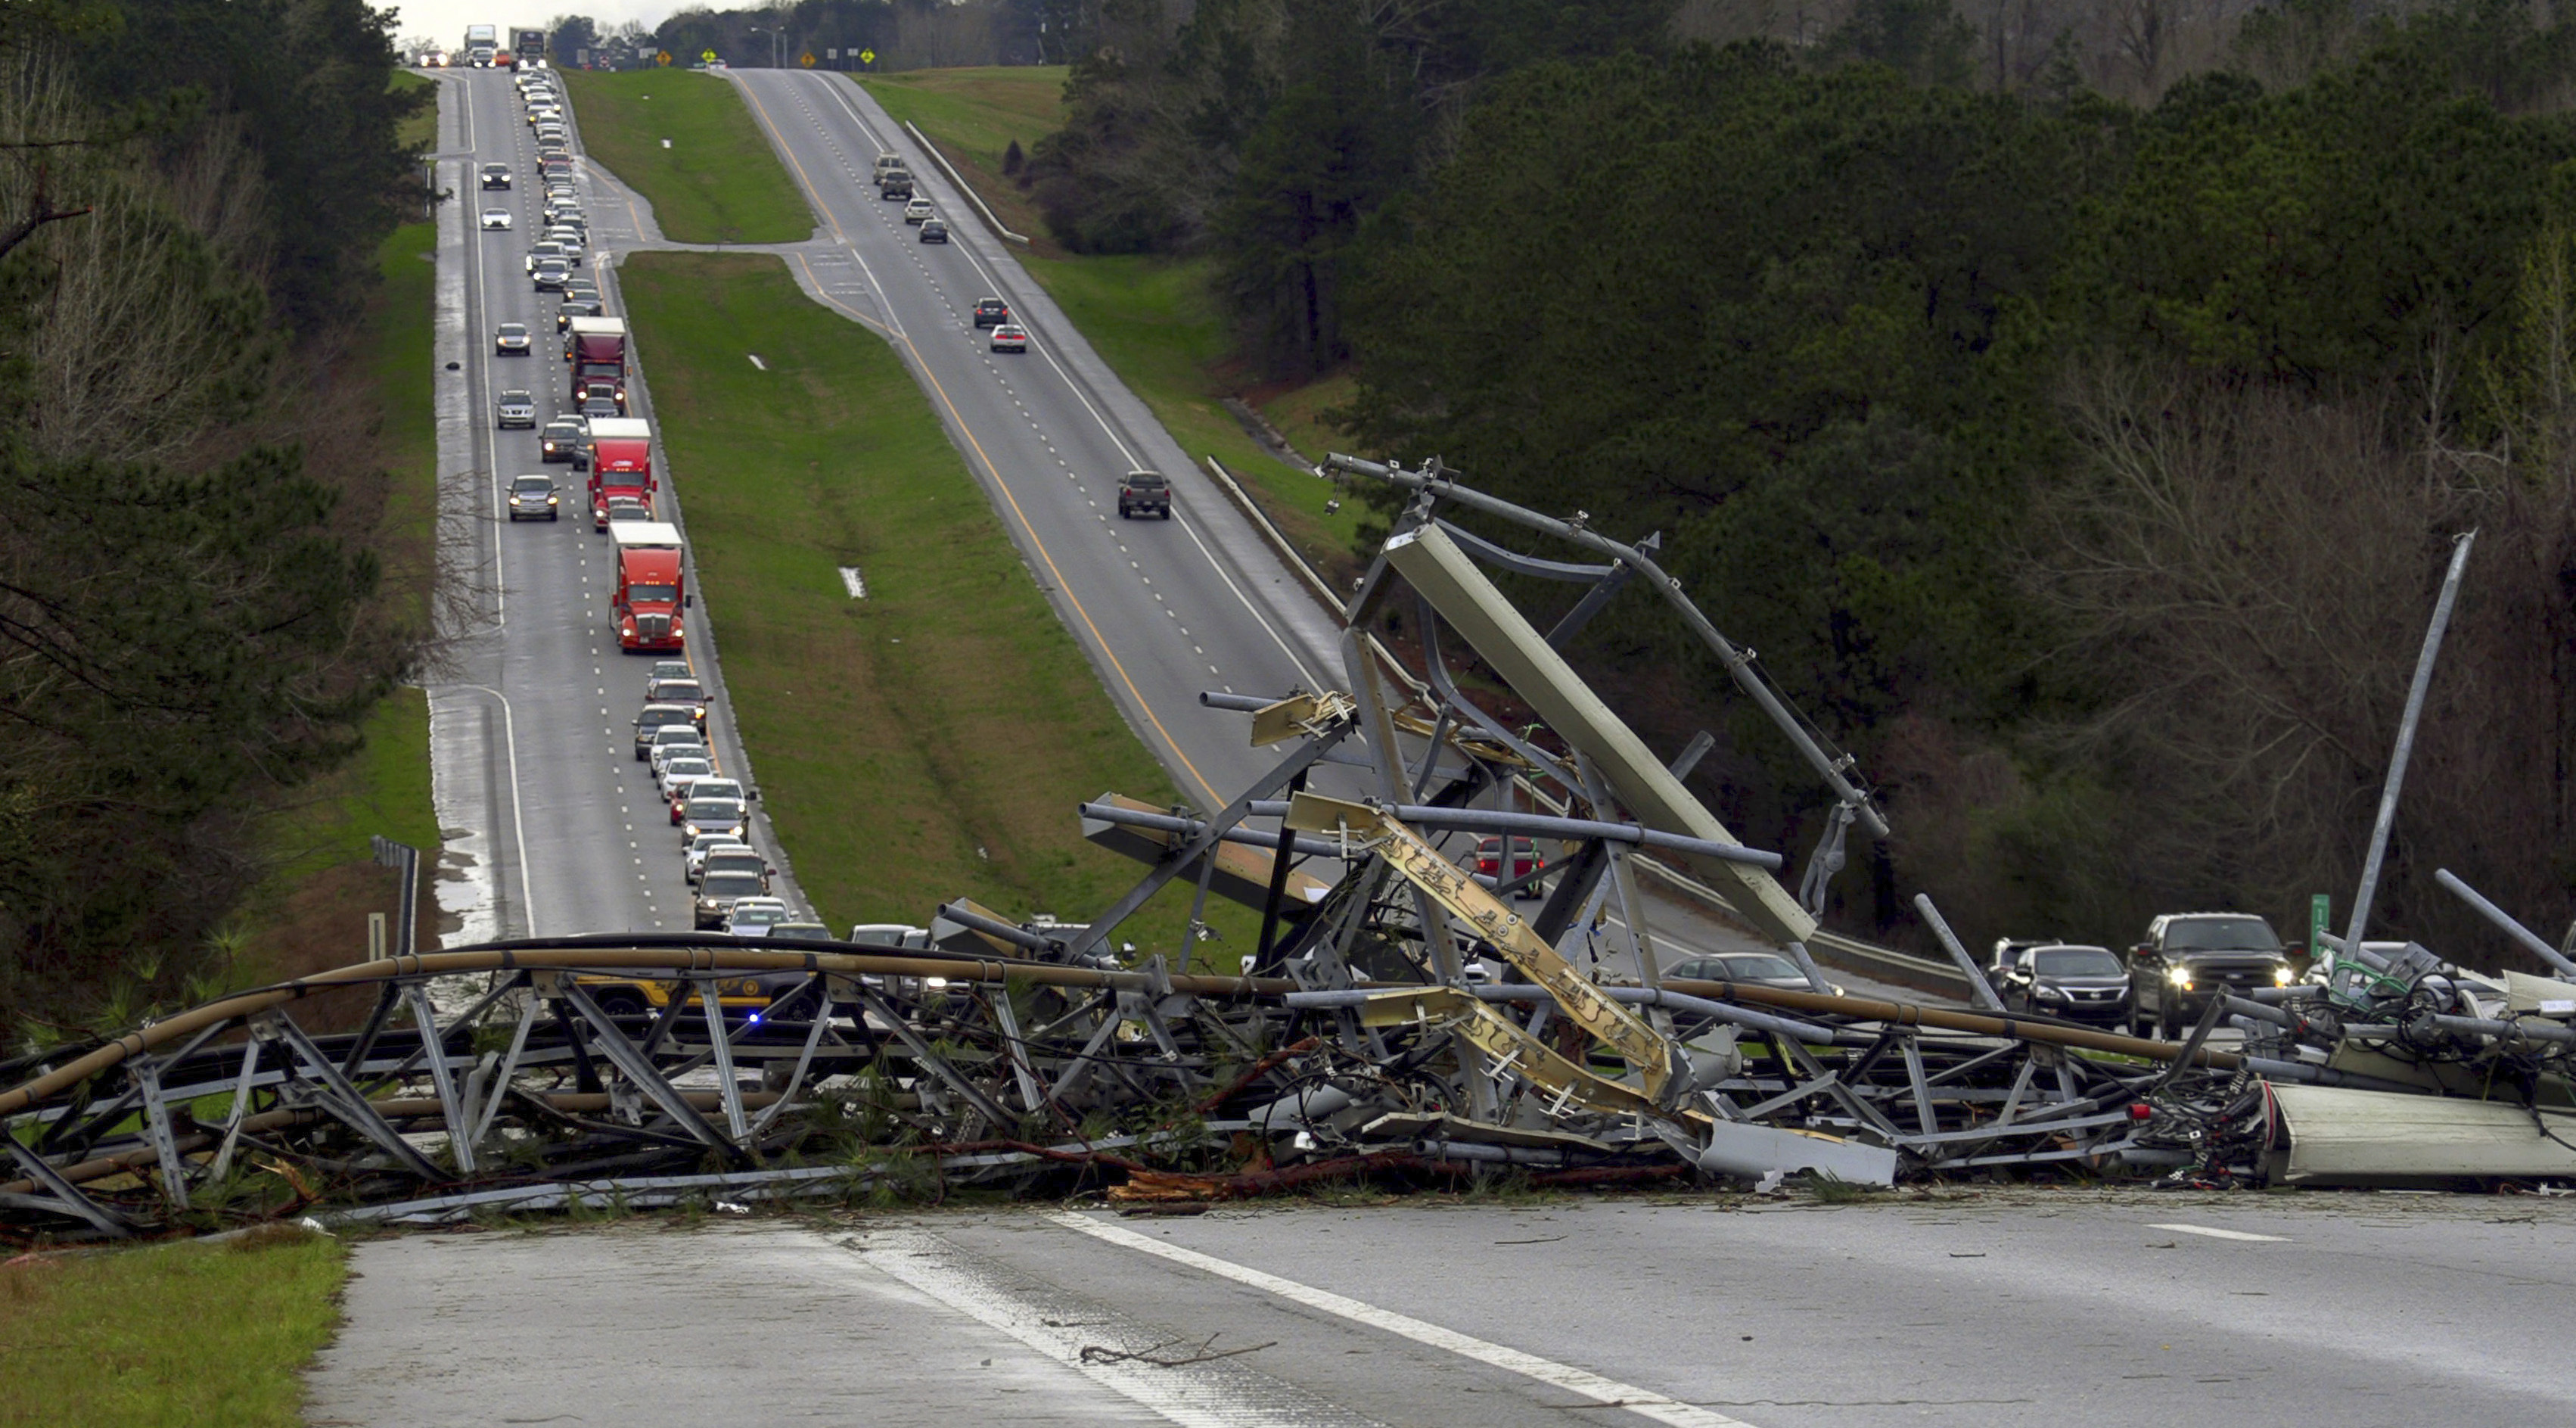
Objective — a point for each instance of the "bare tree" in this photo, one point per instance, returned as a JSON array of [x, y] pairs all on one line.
[[2246, 571]]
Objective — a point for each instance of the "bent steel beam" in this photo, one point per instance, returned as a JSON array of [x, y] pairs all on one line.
[[1443, 574]]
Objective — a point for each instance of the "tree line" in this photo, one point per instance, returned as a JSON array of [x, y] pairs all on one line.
[[190, 616], [2083, 454], [902, 34]]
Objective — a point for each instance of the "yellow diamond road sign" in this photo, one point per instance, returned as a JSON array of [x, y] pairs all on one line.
[[867, 57], [663, 58], [806, 59], [709, 56]]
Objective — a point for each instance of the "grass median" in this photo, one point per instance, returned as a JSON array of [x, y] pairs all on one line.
[[182, 1335], [1154, 320], [717, 181], [929, 740]]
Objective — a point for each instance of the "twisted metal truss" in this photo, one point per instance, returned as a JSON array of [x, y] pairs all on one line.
[[503, 1078], [1029, 1058]]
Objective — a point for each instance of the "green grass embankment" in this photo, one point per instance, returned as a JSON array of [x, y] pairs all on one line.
[[184, 1335], [418, 133], [1154, 320], [974, 116], [719, 181], [928, 741]]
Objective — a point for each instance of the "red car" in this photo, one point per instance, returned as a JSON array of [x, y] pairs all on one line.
[[1525, 862]]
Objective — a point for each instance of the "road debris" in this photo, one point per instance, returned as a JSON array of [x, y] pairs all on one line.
[[1401, 1021]]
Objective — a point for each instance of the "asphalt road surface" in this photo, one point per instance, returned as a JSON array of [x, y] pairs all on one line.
[[1164, 609], [552, 826], [2002, 1308]]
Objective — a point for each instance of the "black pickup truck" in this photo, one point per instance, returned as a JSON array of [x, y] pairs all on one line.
[[2190, 957], [1144, 493]]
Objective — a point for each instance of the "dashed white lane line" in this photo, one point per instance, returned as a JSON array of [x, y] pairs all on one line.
[[2215, 1233], [1608, 1392], [1259, 616]]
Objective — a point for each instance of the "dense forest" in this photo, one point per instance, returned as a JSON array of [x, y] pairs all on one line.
[[2079, 440], [189, 619]]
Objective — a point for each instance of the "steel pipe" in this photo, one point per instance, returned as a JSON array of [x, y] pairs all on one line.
[[665, 952], [1516, 992], [2022, 1028], [1306, 845], [1494, 820], [2504, 921], [1017, 936]]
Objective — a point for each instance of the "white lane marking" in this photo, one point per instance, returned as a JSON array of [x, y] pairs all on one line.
[[518, 825], [2216, 1233], [1212, 1395], [1606, 1391], [1259, 616]]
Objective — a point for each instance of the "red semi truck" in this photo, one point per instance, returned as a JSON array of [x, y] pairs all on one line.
[[596, 348], [621, 464], [650, 586]]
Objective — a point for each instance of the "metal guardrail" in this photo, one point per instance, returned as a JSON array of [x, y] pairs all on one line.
[[963, 186], [1315, 582]]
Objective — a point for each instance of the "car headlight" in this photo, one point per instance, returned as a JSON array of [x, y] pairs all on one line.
[[2050, 994], [691, 830], [2179, 976], [2282, 976]]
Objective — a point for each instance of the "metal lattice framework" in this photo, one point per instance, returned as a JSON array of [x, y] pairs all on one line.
[[509, 1077], [664, 1068]]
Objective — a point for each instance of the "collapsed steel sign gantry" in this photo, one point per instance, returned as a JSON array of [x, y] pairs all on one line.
[[1040, 1056]]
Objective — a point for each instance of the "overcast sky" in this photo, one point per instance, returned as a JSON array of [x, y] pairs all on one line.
[[445, 20]]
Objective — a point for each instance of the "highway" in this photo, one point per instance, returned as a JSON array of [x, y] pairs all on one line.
[[1983, 1309], [1164, 609], [551, 825], [1969, 1306]]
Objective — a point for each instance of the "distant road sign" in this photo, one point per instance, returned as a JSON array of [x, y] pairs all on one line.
[[709, 56], [867, 57], [806, 59], [663, 58], [831, 54]]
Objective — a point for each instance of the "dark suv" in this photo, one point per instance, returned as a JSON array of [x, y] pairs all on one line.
[[654, 717], [895, 184], [991, 311], [2190, 957], [1144, 493]]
